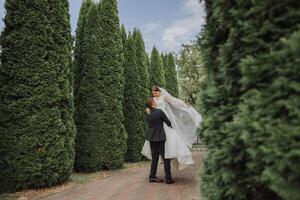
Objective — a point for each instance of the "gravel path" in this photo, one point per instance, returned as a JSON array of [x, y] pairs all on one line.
[[132, 184]]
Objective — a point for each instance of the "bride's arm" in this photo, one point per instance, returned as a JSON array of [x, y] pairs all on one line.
[[148, 111]]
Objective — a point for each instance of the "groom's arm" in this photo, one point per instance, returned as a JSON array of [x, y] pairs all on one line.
[[166, 119]]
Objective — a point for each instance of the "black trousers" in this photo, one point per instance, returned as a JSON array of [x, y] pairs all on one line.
[[158, 148]]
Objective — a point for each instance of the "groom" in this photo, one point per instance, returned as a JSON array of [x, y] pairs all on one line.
[[157, 137]]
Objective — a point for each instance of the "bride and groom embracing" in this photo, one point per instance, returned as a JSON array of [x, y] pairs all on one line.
[[171, 134]]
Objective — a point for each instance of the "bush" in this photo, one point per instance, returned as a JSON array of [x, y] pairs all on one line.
[[36, 105], [156, 69], [244, 118], [89, 98], [112, 78], [134, 123], [171, 75]]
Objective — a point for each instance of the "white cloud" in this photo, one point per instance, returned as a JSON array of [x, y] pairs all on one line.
[[150, 27], [183, 30], [152, 33]]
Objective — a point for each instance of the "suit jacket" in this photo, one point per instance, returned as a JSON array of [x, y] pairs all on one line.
[[156, 120]]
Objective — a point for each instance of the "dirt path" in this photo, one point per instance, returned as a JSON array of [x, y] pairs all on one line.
[[132, 184]]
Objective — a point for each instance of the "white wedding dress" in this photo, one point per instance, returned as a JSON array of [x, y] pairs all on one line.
[[179, 139]]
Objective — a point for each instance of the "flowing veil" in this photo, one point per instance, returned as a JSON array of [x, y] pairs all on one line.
[[185, 119]]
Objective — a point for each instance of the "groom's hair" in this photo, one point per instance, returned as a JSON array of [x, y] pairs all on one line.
[[150, 103]]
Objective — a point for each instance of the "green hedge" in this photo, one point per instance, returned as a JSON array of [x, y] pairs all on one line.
[[112, 78], [248, 100], [132, 111], [156, 69], [268, 118], [37, 130], [171, 75], [88, 95]]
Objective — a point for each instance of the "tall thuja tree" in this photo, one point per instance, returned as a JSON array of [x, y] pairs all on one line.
[[239, 130], [219, 100], [156, 69], [164, 59], [80, 44], [142, 64], [111, 76], [164, 62], [124, 37], [271, 130], [143, 72], [148, 66], [124, 40], [265, 122], [134, 124], [89, 98], [171, 75], [37, 130]]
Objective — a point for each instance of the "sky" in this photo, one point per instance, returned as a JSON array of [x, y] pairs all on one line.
[[164, 23]]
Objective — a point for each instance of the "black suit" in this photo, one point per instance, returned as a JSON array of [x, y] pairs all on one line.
[[156, 131], [157, 137]]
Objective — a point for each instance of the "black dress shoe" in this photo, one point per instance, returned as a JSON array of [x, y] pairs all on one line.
[[155, 180], [170, 182]]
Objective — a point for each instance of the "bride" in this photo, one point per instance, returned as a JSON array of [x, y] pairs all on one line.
[[180, 138]]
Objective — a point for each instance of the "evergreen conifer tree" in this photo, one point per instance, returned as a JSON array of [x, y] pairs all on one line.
[[80, 44], [143, 72], [270, 131], [89, 97], [112, 79], [171, 75], [148, 68], [156, 69], [164, 59], [124, 37], [37, 130], [248, 101], [142, 67], [134, 123]]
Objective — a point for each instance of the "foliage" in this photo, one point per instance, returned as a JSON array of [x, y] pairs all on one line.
[[148, 67], [190, 73], [268, 117], [124, 36], [37, 130], [88, 96], [248, 100], [134, 123], [111, 72], [143, 72], [156, 69], [124, 40], [171, 75], [164, 59], [142, 64], [80, 44]]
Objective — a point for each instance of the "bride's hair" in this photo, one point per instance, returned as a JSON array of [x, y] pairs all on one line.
[[155, 88]]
